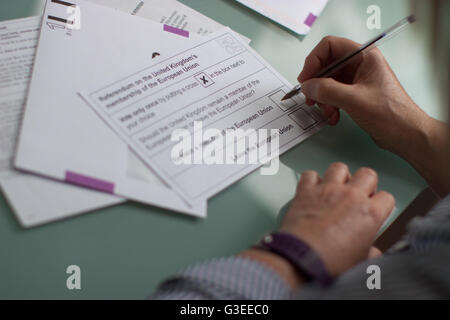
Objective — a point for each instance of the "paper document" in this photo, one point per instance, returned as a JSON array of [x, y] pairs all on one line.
[[296, 15], [170, 12], [61, 136], [34, 200], [219, 82]]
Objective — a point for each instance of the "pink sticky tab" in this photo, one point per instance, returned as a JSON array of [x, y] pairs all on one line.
[[177, 31], [89, 182], [310, 20]]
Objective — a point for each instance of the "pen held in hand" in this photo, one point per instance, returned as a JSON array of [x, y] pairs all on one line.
[[369, 45]]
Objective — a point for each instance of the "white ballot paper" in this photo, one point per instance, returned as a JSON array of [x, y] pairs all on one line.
[[81, 43], [218, 81], [296, 15], [33, 199], [170, 12]]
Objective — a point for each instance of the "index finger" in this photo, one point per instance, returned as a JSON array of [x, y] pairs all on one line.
[[328, 50]]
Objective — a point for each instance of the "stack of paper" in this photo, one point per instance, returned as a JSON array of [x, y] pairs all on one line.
[[35, 200], [107, 91]]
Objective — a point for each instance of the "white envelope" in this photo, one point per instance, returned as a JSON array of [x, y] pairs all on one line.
[[170, 12], [296, 15], [61, 137], [37, 201], [33, 199]]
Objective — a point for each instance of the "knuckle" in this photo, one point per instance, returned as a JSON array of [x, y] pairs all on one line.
[[368, 172], [305, 176], [376, 55], [309, 173], [328, 38], [392, 199], [388, 197], [309, 59], [379, 211], [339, 165]]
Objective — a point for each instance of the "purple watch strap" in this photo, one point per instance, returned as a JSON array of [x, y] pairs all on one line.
[[299, 254]]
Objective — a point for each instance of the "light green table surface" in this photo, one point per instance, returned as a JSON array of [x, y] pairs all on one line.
[[125, 251]]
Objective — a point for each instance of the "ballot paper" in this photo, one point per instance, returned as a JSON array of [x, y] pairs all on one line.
[[170, 12], [216, 83], [296, 15], [34, 200], [81, 43]]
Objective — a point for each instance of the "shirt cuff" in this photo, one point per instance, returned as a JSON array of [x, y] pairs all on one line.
[[231, 278]]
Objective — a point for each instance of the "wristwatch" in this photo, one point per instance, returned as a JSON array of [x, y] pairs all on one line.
[[305, 260]]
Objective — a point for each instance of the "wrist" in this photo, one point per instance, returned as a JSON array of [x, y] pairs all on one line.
[[426, 150], [278, 264], [297, 255], [314, 241], [410, 127]]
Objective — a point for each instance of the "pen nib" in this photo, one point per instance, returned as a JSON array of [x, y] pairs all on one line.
[[288, 96], [293, 92]]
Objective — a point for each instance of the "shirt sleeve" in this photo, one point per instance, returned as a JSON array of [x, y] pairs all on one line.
[[420, 272], [232, 278], [407, 275]]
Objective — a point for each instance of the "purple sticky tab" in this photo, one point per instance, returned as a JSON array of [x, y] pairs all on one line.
[[89, 182], [177, 31], [310, 20]]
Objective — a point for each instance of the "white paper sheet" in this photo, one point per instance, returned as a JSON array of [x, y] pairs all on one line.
[[296, 15], [34, 200], [169, 12], [61, 137], [220, 81]]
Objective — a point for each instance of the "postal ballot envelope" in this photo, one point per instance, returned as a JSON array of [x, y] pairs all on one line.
[[61, 137]]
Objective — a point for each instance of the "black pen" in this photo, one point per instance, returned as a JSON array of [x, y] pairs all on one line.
[[375, 42]]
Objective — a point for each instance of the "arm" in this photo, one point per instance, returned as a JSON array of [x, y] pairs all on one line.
[[338, 216]]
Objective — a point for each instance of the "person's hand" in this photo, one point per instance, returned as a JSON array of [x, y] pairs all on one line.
[[367, 89], [339, 215]]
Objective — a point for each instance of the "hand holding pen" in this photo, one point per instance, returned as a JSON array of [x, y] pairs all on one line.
[[335, 66], [368, 91]]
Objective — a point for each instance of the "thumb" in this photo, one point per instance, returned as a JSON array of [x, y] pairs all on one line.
[[331, 92]]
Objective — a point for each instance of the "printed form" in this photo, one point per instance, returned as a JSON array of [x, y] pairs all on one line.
[[219, 82], [18, 41]]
